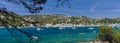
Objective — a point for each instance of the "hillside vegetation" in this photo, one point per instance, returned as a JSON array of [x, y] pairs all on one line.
[[44, 19]]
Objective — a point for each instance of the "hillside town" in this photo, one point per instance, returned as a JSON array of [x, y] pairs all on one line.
[[59, 20]]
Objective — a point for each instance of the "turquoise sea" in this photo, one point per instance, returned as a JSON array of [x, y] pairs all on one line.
[[50, 35]]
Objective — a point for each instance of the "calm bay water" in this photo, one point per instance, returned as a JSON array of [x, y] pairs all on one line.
[[51, 35]]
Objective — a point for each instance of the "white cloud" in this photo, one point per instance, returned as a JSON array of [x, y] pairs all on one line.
[[92, 9]]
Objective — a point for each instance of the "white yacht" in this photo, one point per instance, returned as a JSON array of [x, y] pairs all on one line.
[[74, 28], [91, 28], [61, 28], [94, 31], [34, 37], [39, 29], [1, 27], [81, 33]]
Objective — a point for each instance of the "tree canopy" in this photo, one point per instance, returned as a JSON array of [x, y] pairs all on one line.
[[107, 33], [35, 6]]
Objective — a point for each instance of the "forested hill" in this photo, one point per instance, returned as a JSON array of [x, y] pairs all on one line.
[[61, 18], [56, 19]]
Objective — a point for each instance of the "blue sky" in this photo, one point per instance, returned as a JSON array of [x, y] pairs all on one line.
[[89, 8]]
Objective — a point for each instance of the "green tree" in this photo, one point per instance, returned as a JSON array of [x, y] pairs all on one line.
[[107, 33], [116, 37]]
